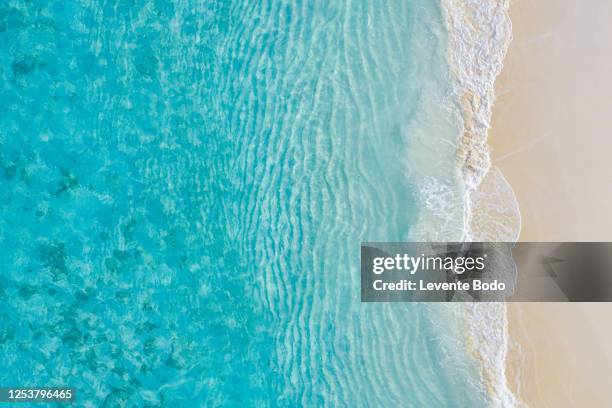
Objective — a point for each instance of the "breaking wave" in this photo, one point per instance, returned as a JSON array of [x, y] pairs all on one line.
[[473, 201]]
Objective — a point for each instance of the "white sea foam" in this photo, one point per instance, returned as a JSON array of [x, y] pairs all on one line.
[[479, 32], [469, 200]]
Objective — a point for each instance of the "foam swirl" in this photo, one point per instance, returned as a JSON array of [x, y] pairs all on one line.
[[479, 35]]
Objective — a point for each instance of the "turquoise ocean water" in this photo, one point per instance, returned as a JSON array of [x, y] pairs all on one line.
[[184, 186]]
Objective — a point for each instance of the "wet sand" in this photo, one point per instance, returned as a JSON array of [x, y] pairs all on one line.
[[550, 137]]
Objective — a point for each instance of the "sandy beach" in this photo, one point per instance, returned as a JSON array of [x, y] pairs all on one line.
[[550, 137]]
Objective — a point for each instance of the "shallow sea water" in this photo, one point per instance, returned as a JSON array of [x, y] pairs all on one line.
[[183, 190]]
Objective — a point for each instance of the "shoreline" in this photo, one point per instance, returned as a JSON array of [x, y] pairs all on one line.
[[479, 37], [549, 139]]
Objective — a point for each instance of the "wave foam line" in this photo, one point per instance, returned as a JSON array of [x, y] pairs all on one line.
[[479, 35]]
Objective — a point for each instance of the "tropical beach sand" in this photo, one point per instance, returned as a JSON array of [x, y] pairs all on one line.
[[560, 354], [550, 137]]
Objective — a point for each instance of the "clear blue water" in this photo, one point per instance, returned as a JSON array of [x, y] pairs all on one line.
[[184, 186]]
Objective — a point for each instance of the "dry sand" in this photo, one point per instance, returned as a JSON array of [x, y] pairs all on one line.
[[560, 354], [551, 138]]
